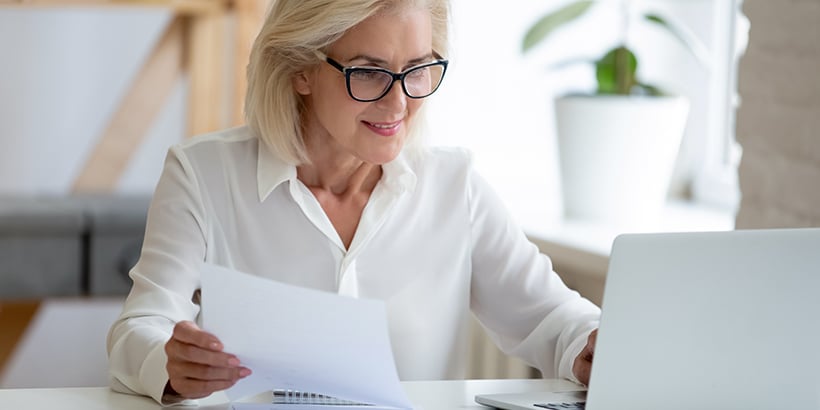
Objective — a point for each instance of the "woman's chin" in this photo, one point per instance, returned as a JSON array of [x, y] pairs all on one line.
[[385, 152]]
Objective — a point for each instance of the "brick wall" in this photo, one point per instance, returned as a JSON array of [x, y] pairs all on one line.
[[778, 122]]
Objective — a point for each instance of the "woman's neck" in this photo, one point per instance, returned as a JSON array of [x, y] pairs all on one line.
[[339, 177], [342, 188], [332, 169]]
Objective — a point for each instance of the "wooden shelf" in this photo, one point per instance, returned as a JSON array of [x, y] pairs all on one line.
[[14, 318], [194, 43], [178, 6]]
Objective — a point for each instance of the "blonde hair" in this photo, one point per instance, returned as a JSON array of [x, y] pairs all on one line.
[[286, 45]]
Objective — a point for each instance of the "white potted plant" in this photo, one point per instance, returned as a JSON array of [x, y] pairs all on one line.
[[617, 146]]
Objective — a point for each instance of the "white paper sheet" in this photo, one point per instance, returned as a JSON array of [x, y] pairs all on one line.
[[301, 339]]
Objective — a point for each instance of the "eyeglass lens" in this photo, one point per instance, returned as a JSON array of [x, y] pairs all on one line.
[[373, 84]]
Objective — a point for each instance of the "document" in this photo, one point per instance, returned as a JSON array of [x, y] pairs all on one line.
[[294, 338]]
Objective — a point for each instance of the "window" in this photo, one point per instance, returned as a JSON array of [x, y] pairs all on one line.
[[498, 102]]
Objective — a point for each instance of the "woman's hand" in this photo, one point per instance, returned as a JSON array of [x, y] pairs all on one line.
[[582, 367], [197, 366]]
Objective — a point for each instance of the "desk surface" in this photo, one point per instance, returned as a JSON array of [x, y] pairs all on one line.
[[429, 395]]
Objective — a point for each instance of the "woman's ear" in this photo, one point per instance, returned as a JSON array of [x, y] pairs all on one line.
[[301, 83]]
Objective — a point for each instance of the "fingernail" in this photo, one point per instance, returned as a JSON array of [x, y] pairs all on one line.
[[215, 346], [244, 372], [233, 361]]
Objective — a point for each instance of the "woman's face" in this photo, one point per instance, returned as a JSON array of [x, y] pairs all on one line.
[[373, 132]]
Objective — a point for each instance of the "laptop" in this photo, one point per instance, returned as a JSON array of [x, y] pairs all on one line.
[[714, 320]]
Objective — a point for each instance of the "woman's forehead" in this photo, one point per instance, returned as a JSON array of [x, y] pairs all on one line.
[[406, 33]]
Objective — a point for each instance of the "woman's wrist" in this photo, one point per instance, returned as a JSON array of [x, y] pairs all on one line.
[[170, 396]]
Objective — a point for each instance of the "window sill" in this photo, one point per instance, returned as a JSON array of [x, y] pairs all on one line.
[[583, 247]]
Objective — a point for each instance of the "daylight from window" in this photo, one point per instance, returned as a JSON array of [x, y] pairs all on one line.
[[498, 101]]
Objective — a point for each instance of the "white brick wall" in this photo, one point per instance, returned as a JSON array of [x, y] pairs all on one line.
[[779, 118]]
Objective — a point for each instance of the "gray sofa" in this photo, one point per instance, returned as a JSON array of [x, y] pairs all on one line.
[[69, 246]]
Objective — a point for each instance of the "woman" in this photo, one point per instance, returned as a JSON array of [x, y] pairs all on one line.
[[326, 188]]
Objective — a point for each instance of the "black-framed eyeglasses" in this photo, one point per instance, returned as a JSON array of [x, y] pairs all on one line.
[[368, 84]]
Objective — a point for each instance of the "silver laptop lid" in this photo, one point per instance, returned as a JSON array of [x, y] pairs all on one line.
[[710, 320]]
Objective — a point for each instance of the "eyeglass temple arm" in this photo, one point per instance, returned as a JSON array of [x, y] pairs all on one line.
[[322, 56]]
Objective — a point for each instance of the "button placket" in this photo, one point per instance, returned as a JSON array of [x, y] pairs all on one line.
[[349, 278]]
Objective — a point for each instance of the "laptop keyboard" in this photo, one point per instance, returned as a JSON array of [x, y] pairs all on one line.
[[578, 405]]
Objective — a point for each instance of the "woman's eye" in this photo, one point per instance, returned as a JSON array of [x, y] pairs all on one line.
[[418, 73], [366, 75]]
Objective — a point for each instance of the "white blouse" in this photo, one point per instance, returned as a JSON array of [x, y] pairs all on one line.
[[434, 242]]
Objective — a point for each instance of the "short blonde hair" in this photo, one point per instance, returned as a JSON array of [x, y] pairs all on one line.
[[286, 45]]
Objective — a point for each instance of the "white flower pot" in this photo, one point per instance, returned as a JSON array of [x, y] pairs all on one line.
[[617, 154]]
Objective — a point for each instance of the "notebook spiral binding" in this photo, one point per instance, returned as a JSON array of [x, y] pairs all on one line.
[[287, 396]]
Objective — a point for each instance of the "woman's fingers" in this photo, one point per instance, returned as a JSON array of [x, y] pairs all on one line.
[[189, 333], [180, 351], [207, 373], [196, 365], [194, 388], [582, 367], [190, 343]]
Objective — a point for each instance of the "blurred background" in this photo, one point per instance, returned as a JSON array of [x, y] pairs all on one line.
[[93, 92]]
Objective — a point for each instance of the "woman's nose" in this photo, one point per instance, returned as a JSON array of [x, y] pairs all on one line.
[[395, 99]]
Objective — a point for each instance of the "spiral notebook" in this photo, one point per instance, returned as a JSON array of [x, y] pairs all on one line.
[[285, 399], [300, 397]]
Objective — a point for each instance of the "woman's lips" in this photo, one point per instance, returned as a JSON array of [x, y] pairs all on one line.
[[386, 129]]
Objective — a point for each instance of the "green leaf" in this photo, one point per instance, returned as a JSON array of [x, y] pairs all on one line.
[[547, 24], [647, 89], [688, 39], [616, 70]]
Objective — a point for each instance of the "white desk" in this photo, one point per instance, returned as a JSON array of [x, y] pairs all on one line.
[[433, 395]]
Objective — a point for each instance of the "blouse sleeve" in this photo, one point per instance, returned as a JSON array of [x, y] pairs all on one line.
[[165, 280], [526, 308]]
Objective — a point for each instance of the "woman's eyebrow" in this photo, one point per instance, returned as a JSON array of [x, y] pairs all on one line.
[[381, 62], [426, 58]]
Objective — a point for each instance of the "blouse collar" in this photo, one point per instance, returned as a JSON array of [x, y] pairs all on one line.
[[271, 171]]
